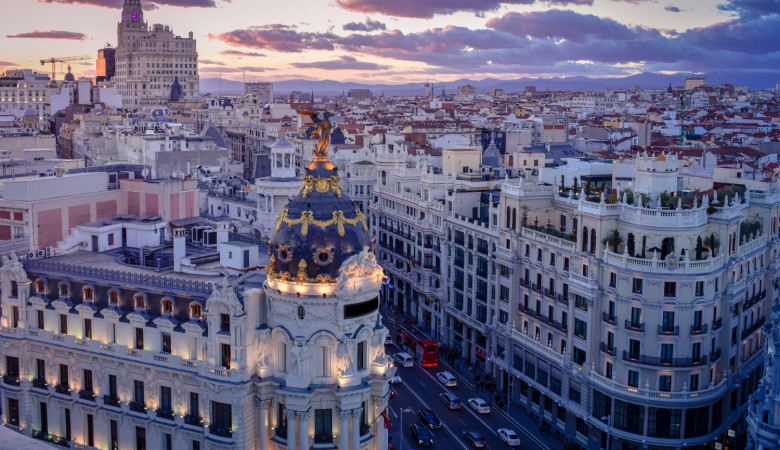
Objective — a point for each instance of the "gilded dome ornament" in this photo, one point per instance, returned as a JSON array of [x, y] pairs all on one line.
[[322, 129]]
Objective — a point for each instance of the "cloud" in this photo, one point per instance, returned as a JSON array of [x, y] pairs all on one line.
[[673, 9], [241, 54], [147, 5], [343, 63], [751, 8], [277, 37], [217, 70], [560, 24], [210, 62], [52, 34], [8, 64], [429, 8], [368, 25]]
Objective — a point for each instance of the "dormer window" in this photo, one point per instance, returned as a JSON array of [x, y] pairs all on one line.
[[88, 294], [63, 290], [195, 311], [139, 301], [167, 306], [40, 287], [113, 298]]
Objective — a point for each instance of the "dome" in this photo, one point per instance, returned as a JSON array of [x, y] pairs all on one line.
[[318, 230], [30, 111], [69, 76]]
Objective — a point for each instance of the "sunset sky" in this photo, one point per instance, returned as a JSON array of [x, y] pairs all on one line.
[[401, 41]]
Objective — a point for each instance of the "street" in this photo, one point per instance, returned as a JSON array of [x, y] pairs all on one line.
[[420, 389]]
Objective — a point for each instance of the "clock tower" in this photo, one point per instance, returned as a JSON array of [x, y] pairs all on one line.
[[132, 15]]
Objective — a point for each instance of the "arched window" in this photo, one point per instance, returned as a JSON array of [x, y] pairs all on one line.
[[508, 214], [63, 290], [699, 248], [593, 241], [167, 306], [514, 219], [139, 301], [113, 297], [584, 239], [195, 311], [631, 243], [667, 246], [40, 287], [88, 293]]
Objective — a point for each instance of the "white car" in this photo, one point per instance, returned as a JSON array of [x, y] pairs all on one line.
[[479, 405], [404, 359], [509, 437], [388, 340], [396, 379], [447, 379]]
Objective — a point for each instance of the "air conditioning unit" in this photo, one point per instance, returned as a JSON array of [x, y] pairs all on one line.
[[59, 171]]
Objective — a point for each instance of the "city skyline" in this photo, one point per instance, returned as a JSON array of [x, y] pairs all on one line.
[[404, 41]]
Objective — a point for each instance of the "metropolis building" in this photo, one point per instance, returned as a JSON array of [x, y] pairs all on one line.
[[148, 61], [101, 354]]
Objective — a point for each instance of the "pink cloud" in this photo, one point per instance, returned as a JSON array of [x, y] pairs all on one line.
[[52, 34], [429, 8], [277, 37], [343, 63], [147, 5]]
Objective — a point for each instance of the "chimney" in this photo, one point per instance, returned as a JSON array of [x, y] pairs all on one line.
[[179, 248], [59, 171]]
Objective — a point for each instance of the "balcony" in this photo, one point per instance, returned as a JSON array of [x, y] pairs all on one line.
[[62, 389], [672, 362], [87, 395], [563, 298], [111, 400], [138, 407], [365, 429], [609, 318], [717, 324], [752, 329], [755, 299], [536, 287], [698, 329], [40, 384], [524, 282], [165, 413], [550, 293], [607, 349], [715, 355], [194, 420], [668, 331], [11, 379], [49, 437], [323, 438], [635, 326], [220, 431]]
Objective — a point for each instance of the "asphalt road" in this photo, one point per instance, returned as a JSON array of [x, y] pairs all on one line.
[[420, 389]]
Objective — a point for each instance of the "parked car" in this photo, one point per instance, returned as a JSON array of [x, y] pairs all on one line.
[[421, 434], [430, 419], [447, 379], [450, 400], [404, 359], [509, 437], [479, 405], [474, 438]]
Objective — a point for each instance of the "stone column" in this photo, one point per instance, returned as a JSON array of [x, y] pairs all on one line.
[[381, 434], [263, 405], [303, 416], [290, 429], [356, 428], [344, 430]]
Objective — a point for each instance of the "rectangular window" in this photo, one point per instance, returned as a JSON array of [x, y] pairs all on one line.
[[530, 370], [165, 399], [636, 285], [111, 239], [633, 378], [166, 342], [64, 376], [541, 377], [221, 418], [667, 321], [578, 355], [112, 391], [636, 316], [13, 412], [670, 288], [40, 319], [225, 355], [667, 350], [194, 407], [63, 324], [87, 328], [88, 381], [665, 383], [138, 391], [90, 430], [361, 355], [694, 382], [580, 328], [139, 338], [608, 370], [555, 385], [323, 425], [612, 279], [40, 370], [574, 395], [114, 430], [699, 288], [140, 438], [224, 323]]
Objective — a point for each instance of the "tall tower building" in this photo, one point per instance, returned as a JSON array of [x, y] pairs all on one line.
[[150, 59]]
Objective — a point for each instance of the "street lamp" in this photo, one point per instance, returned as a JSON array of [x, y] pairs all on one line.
[[608, 419], [401, 427]]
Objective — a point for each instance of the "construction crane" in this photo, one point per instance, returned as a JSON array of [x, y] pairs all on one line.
[[429, 89], [54, 60]]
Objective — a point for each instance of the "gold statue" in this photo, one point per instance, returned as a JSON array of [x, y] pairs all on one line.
[[323, 128]]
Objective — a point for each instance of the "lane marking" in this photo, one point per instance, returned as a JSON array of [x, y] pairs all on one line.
[[458, 438]]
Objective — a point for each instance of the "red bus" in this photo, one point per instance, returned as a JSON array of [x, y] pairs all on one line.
[[426, 351]]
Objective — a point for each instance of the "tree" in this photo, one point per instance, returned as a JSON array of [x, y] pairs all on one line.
[[613, 239], [665, 199], [712, 242], [576, 187]]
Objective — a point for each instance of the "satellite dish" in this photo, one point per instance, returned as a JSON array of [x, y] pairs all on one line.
[[145, 172]]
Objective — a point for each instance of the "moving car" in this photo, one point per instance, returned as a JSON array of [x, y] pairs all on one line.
[[509, 437], [447, 379], [450, 400], [421, 435], [430, 419], [404, 359], [396, 379], [479, 405], [474, 438], [388, 340]]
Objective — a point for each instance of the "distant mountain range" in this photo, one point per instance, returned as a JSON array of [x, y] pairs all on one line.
[[647, 80]]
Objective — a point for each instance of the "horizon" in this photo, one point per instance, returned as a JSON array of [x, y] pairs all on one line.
[[374, 42]]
